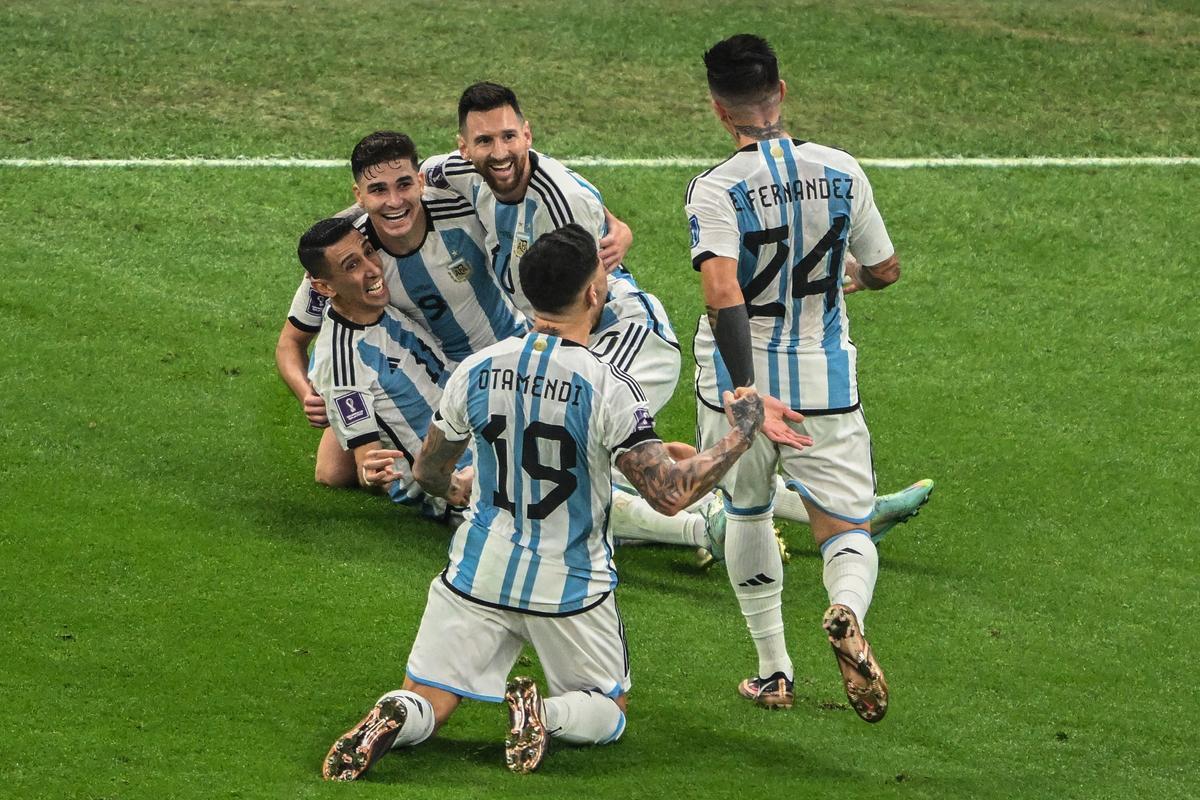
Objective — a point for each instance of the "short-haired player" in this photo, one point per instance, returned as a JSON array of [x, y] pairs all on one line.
[[378, 375], [532, 563], [770, 230]]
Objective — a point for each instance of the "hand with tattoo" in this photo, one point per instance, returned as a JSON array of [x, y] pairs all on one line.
[[744, 410]]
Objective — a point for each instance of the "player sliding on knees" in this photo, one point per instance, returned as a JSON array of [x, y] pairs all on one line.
[[377, 375], [532, 563], [437, 268]]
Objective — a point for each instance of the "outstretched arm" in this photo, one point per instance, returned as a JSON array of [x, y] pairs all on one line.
[[671, 486]]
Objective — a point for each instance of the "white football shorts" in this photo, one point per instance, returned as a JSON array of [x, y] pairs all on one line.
[[469, 649], [836, 473]]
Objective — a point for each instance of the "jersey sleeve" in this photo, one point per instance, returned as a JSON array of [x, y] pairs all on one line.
[[625, 419], [712, 223], [451, 416], [451, 172], [586, 206], [308, 306], [345, 384], [869, 240]]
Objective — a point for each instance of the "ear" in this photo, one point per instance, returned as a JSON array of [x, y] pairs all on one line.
[[357, 194], [420, 180], [323, 287], [528, 133], [782, 90], [719, 110], [462, 146]]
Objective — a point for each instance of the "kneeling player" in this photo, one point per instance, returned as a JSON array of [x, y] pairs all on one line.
[[533, 560]]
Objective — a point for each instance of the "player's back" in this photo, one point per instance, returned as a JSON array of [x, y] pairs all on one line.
[[546, 417], [787, 212]]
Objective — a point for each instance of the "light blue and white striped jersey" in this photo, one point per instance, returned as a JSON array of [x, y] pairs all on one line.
[[380, 382], [445, 286], [546, 418], [556, 196], [787, 211]]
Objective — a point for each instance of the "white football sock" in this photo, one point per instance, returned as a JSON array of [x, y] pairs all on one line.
[[756, 573], [418, 725], [631, 517], [851, 567], [583, 718], [788, 503]]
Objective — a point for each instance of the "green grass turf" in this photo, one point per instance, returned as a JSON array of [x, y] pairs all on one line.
[[187, 615], [924, 77]]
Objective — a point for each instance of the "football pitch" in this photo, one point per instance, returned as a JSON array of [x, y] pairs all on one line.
[[185, 614]]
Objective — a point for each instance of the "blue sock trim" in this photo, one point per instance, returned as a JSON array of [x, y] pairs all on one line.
[[799, 489], [452, 689], [733, 511], [834, 538]]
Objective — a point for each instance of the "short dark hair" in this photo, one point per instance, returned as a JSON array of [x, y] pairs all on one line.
[[317, 239], [557, 267], [485, 96], [381, 147], [742, 68]]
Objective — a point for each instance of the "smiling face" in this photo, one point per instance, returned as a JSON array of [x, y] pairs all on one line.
[[354, 278], [497, 142], [390, 193]]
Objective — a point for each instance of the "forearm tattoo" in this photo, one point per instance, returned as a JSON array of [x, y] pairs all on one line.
[[435, 465], [772, 130], [676, 485]]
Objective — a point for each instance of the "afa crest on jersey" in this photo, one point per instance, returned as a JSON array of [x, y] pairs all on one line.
[[459, 270]]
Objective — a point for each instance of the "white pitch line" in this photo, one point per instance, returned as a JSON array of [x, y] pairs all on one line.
[[600, 161]]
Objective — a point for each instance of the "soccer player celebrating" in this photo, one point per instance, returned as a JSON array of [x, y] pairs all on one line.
[[770, 229], [520, 195], [435, 266], [379, 378], [533, 560]]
